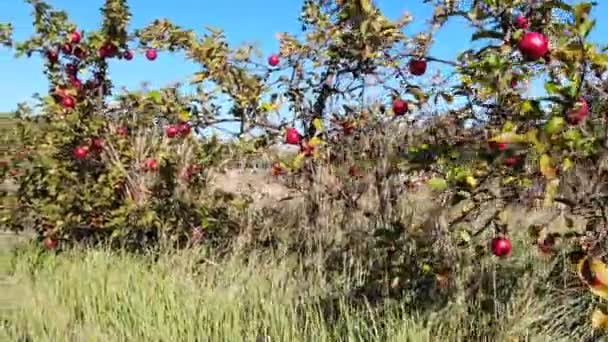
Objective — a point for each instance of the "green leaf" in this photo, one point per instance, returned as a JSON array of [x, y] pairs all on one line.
[[555, 125], [155, 96], [552, 88], [437, 184], [585, 27]]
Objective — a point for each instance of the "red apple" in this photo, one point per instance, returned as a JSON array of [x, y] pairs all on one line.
[[184, 129], [107, 51], [75, 37], [292, 136], [52, 56], [522, 22], [533, 45], [71, 69], [68, 102], [399, 107], [578, 113], [417, 67], [151, 164], [80, 53], [172, 131], [151, 54], [501, 246], [81, 152], [76, 83], [98, 144], [274, 60], [50, 243], [511, 161], [128, 55], [122, 131], [67, 48]]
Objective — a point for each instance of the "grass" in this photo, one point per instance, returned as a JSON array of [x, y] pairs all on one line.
[[98, 295]]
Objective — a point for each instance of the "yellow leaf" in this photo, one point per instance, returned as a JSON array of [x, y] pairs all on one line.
[[509, 126], [184, 115], [567, 164], [550, 192], [315, 141], [546, 167], [366, 6], [298, 161], [508, 138], [599, 320], [471, 181], [318, 124], [594, 273]]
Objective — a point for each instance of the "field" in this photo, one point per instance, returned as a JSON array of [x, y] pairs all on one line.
[[196, 295]]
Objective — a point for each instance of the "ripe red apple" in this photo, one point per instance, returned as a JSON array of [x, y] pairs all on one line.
[[98, 144], [577, 114], [107, 51], [184, 129], [75, 37], [501, 246], [417, 67], [533, 45], [52, 56], [151, 164], [50, 243], [122, 131], [292, 136], [274, 60], [522, 22], [151, 54], [511, 161], [67, 48], [76, 83], [68, 102], [71, 69], [80, 53], [172, 131], [81, 152], [128, 55], [399, 107]]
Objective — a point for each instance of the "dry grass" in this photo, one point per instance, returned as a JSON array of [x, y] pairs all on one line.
[[191, 296]]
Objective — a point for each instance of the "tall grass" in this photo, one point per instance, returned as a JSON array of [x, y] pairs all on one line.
[[188, 296]]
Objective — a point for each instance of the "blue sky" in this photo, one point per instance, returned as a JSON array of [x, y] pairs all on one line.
[[243, 20]]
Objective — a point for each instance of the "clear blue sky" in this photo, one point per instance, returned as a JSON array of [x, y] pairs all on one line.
[[243, 20]]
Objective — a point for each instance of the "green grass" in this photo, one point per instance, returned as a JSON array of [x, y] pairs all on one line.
[[184, 296]]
